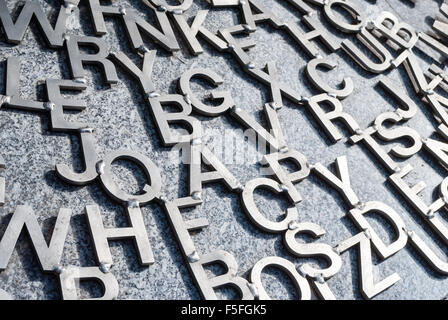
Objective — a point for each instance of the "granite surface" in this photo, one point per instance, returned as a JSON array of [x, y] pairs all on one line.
[[122, 120]]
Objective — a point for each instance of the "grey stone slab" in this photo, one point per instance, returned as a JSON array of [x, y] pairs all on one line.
[[122, 120]]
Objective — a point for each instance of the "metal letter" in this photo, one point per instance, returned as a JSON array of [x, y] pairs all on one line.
[[396, 31], [402, 132], [341, 182], [256, 216], [12, 88], [288, 178], [59, 103], [384, 251], [238, 47], [374, 46], [102, 235], [2, 183], [143, 76], [274, 138], [166, 38], [48, 255], [70, 276], [351, 8], [269, 77], [326, 118], [374, 147], [98, 12], [16, 31], [163, 119], [77, 58], [207, 285], [439, 149], [301, 284], [317, 31], [162, 5], [149, 168], [198, 105], [312, 250], [201, 154], [311, 71], [89, 156], [368, 287], [189, 33]]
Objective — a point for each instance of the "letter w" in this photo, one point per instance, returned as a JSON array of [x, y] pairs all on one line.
[[49, 256], [16, 31]]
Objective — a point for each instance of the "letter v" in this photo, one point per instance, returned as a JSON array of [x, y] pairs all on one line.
[[275, 139]]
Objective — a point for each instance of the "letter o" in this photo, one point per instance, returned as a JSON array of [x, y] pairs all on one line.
[[286, 266], [351, 9]]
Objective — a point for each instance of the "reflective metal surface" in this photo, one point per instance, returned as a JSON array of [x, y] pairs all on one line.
[[223, 149]]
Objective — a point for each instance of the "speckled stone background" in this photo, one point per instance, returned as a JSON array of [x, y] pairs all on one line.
[[122, 120]]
